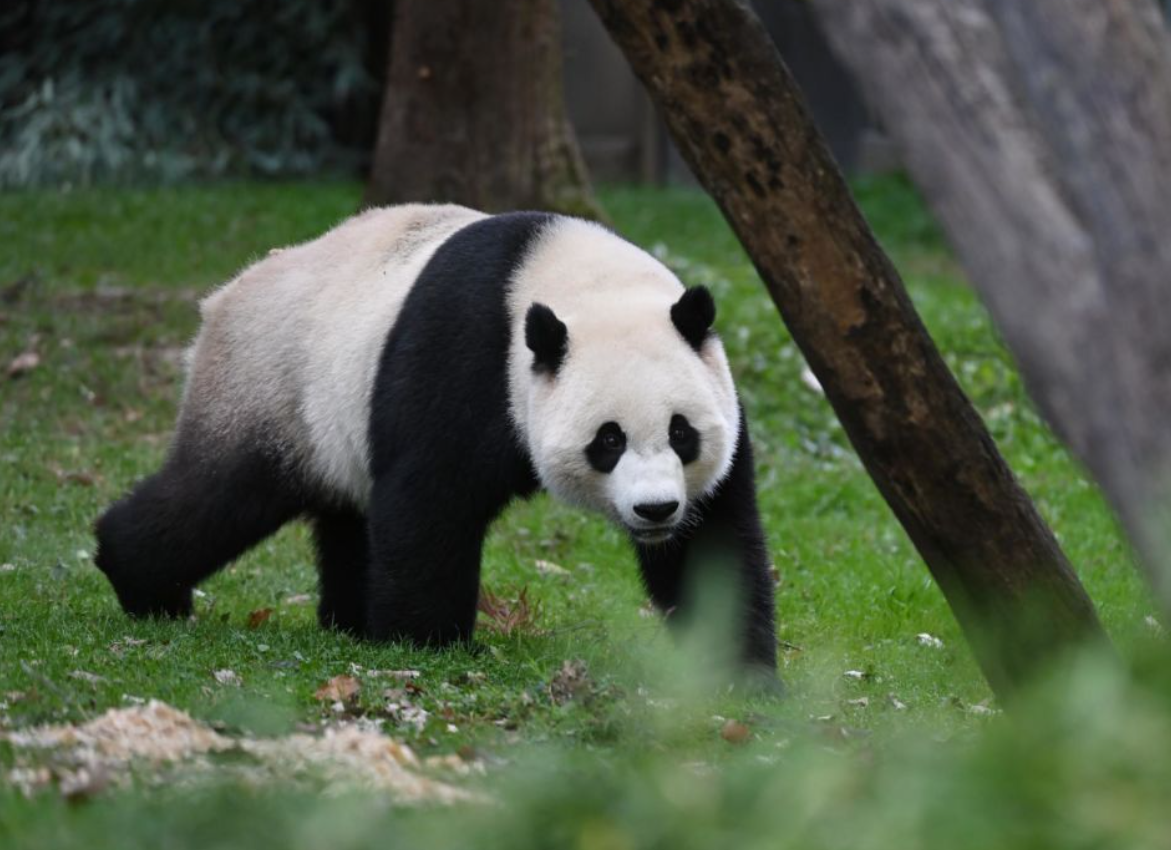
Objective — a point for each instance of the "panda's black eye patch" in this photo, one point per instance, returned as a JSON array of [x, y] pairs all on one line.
[[607, 447], [684, 438]]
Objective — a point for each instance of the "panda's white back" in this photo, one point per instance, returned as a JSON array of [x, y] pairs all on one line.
[[290, 347]]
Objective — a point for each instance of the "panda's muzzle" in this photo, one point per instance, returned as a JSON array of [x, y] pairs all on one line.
[[657, 534], [656, 512], [657, 515]]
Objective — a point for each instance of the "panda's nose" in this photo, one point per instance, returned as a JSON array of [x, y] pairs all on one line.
[[655, 511]]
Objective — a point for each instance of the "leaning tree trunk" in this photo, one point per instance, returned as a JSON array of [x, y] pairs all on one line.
[[473, 110], [739, 121], [1040, 133]]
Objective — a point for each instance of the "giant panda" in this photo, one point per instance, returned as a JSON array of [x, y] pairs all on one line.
[[402, 378]]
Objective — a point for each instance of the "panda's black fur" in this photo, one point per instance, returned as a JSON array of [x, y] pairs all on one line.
[[445, 459]]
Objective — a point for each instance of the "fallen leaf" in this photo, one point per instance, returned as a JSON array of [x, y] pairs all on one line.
[[509, 616], [861, 702], [24, 363], [571, 682], [338, 689], [928, 640], [75, 476], [228, 677], [259, 617], [854, 674], [735, 732], [86, 676], [7, 568], [405, 713], [548, 568], [299, 599], [118, 647], [896, 703]]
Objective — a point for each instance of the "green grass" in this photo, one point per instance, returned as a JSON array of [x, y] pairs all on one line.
[[103, 285]]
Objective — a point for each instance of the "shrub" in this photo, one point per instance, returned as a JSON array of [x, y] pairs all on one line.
[[158, 90]]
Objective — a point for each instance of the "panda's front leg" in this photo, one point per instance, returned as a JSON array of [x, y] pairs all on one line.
[[424, 576], [722, 543]]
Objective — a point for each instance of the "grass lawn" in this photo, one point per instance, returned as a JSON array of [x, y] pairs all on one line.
[[907, 750]]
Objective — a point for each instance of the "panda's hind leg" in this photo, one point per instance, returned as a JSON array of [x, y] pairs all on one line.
[[182, 524], [342, 556]]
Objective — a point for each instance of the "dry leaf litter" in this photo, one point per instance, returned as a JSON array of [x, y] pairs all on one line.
[[103, 751]]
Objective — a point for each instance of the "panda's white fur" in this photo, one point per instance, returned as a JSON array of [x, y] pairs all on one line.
[[387, 381], [295, 339], [626, 363]]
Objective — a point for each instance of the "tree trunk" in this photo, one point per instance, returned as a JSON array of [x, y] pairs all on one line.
[[1040, 132], [473, 110], [736, 116]]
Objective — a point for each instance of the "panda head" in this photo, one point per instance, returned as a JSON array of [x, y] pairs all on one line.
[[633, 415]]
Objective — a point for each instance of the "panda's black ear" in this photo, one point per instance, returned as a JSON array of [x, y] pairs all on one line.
[[693, 315], [547, 337]]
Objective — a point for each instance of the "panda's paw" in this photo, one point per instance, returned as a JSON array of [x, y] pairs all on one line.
[[423, 635], [137, 592], [346, 620], [168, 603], [760, 682]]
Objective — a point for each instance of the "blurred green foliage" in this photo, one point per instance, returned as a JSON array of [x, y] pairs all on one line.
[[160, 90]]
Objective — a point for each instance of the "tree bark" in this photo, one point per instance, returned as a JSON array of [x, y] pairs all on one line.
[[1040, 133], [738, 120], [473, 110]]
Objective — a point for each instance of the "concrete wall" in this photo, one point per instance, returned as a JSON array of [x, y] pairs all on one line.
[[624, 140]]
